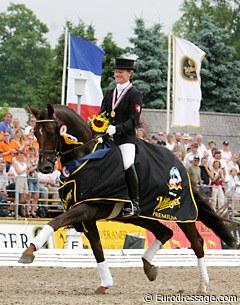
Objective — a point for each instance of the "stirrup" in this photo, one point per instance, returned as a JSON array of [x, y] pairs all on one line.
[[132, 211]]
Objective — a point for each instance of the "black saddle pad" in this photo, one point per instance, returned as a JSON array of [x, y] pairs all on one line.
[[165, 191]]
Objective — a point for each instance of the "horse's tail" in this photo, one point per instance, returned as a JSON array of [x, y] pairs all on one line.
[[208, 216]]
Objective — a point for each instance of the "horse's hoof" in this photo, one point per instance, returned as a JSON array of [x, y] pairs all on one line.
[[26, 258], [152, 273], [101, 290], [202, 289]]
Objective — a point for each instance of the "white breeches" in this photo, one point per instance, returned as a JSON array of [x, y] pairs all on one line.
[[128, 151]]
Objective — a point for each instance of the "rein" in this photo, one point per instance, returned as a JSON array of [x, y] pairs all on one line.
[[58, 153], [95, 139]]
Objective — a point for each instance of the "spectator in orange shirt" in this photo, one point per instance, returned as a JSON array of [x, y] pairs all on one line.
[[8, 150], [31, 143], [18, 142], [1, 135]]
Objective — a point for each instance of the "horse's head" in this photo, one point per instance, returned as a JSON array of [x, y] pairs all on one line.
[[57, 130]]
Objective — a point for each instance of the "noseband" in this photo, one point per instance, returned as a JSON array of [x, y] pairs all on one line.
[[55, 152]]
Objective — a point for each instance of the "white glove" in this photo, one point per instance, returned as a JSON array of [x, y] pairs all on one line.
[[111, 130], [100, 140]]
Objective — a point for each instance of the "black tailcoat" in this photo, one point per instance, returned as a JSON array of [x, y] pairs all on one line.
[[127, 115]]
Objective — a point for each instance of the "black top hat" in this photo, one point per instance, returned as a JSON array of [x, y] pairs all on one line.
[[124, 64]]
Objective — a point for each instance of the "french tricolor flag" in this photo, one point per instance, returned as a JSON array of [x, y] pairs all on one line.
[[85, 60]]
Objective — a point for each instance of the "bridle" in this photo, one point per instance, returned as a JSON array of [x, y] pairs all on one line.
[[56, 151]]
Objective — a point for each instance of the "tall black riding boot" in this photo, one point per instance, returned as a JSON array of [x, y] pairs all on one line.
[[132, 209]]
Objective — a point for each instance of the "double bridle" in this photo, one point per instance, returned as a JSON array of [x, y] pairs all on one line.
[[56, 151]]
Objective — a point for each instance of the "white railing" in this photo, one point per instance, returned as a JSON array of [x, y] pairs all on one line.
[[119, 258], [230, 209]]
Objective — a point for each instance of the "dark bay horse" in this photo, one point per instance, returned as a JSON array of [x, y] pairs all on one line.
[[62, 133]]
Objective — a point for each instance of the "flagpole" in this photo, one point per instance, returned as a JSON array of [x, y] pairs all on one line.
[[64, 66], [168, 84]]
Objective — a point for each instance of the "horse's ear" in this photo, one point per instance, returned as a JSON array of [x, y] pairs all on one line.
[[50, 110], [35, 112]]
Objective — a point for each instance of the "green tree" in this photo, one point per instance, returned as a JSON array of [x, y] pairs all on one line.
[[4, 109], [51, 85], [24, 55], [151, 64], [112, 51], [224, 13], [220, 72]]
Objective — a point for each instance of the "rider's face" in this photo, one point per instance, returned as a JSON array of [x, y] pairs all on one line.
[[121, 76]]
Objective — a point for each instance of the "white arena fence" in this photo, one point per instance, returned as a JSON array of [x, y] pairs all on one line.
[[119, 258]]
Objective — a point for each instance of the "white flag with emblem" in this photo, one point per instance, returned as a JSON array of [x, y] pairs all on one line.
[[187, 93]]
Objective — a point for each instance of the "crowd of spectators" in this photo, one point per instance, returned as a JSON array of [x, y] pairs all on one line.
[[212, 167], [19, 152]]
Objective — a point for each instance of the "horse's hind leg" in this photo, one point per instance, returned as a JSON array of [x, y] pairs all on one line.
[[162, 234], [196, 241], [103, 269]]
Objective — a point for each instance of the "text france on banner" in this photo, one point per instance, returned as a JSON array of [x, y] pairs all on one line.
[[85, 60], [187, 93]]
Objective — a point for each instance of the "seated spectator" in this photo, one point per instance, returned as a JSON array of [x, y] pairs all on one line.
[[186, 139], [217, 155], [194, 171], [191, 140], [19, 171], [8, 150], [11, 185], [5, 125], [212, 147], [3, 193], [225, 151], [3, 181], [188, 160], [206, 177], [218, 178], [160, 139], [50, 183], [33, 183], [233, 163], [179, 156], [154, 139], [17, 142], [179, 146], [141, 133], [16, 125], [201, 147], [232, 187], [237, 203], [30, 142], [170, 143], [31, 125]]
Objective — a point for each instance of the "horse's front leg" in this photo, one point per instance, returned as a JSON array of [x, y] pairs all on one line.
[[75, 215], [103, 269]]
